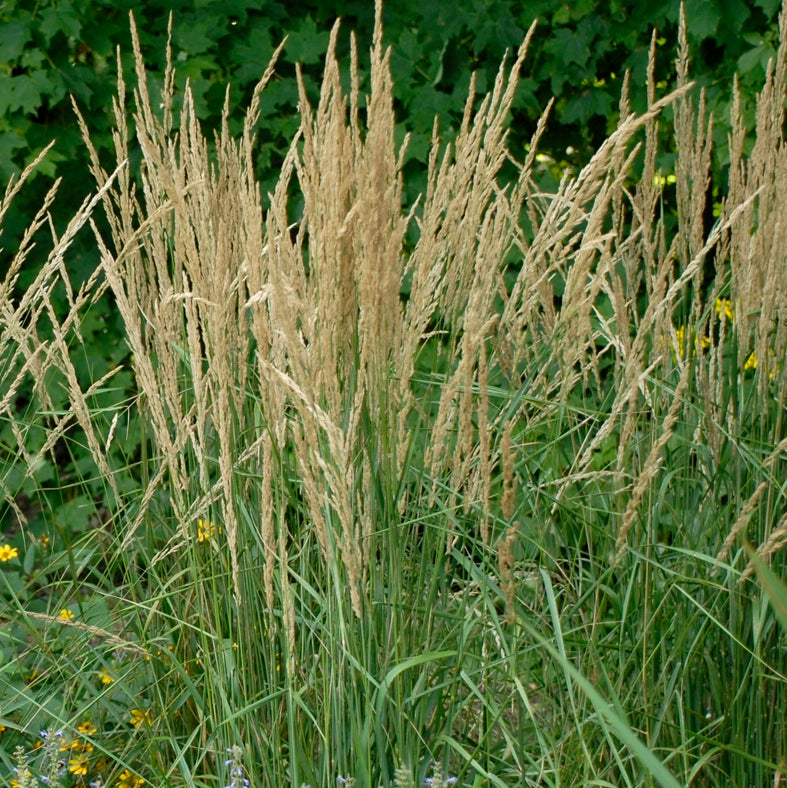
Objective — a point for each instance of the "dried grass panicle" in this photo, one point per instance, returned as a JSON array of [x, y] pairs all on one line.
[[34, 340], [254, 339], [693, 141], [177, 268], [267, 526], [467, 228], [775, 542], [506, 563], [741, 523], [758, 275], [652, 463], [12, 189], [110, 638], [354, 363], [507, 470]]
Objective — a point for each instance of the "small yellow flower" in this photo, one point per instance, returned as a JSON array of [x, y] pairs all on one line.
[[680, 335], [139, 716], [7, 553], [752, 362], [78, 764], [660, 181], [66, 614], [205, 530], [129, 780], [105, 677], [87, 728], [724, 307]]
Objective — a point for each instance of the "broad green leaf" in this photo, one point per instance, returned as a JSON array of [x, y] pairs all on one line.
[[6, 94], [592, 102], [33, 59], [702, 18], [10, 141], [26, 92], [769, 7], [13, 38], [60, 18], [751, 59], [307, 44], [568, 46], [251, 55], [48, 167], [197, 37]]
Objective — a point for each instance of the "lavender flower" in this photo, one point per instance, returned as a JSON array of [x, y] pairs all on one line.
[[235, 763]]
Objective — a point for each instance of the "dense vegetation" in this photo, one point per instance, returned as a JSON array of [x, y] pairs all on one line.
[[305, 479], [56, 48]]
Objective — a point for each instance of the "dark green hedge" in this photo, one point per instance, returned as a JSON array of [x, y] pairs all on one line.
[[51, 48]]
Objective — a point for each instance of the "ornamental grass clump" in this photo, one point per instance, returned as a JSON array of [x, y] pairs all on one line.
[[393, 492]]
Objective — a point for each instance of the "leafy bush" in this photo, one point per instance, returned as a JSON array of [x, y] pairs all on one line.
[[579, 55]]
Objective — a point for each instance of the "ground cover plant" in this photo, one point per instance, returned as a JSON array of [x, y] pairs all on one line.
[[449, 493]]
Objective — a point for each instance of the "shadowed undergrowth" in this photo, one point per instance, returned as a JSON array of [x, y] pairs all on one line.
[[380, 491]]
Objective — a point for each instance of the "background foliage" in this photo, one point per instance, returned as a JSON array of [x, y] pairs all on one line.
[[580, 52]]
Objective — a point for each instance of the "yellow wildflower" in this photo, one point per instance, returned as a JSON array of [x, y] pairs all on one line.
[[105, 677], [724, 307], [66, 614], [660, 181], [752, 362], [680, 335], [7, 553], [138, 716], [129, 780], [27, 776], [78, 764], [87, 728], [206, 529]]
